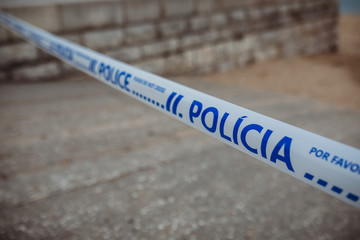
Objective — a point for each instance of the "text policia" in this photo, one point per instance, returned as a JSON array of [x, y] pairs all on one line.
[[197, 111]]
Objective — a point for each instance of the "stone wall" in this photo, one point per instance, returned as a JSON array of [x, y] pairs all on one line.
[[172, 37]]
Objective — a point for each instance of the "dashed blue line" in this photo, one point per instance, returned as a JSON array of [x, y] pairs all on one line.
[[309, 176], [352, 197], [322, 182], [334, 188], [147, 99]]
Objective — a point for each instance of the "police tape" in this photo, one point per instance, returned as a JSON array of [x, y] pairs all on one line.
[[323, 163]]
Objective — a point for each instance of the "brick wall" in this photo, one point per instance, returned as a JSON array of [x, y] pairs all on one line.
[[172, 37]]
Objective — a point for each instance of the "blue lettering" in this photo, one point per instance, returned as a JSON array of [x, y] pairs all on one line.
[[210, 123], [101, 68], [325, 156], [347, 164], [108, 73], [215, 119], [222, 125], [340, 162], [92, 65], [354, 167], [244, 132], [236, 129], [58, 49], [312, 150], [319, 153], [264, 142], [126, 82], [286, 142], [192, 113], [118, 75]]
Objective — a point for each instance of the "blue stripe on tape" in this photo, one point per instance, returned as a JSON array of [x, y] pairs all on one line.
[[147, 99], [352, 197], [322, 182], [336, 189], [308, 176]]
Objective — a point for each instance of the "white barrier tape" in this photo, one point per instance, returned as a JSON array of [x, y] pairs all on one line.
[[323, 163]]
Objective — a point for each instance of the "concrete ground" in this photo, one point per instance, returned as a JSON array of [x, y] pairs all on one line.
[[79, 160]]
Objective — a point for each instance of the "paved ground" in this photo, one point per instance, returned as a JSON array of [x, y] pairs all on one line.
[[79, 160]]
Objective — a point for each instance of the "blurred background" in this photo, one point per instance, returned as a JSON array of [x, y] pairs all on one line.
[[79, 160]]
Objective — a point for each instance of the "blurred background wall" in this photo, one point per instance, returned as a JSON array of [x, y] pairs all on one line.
[[170, 37]]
